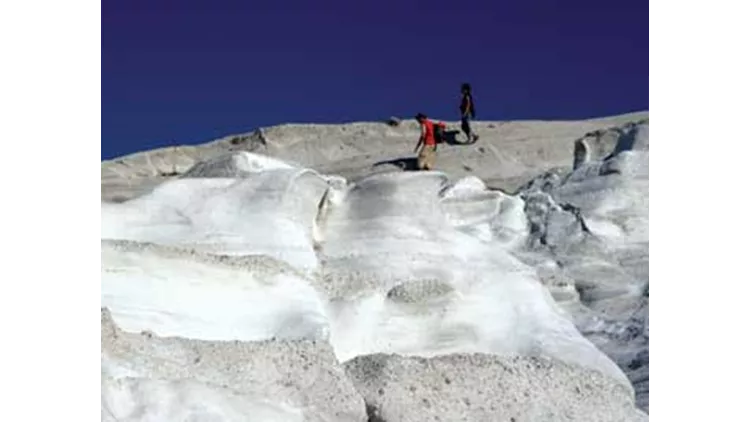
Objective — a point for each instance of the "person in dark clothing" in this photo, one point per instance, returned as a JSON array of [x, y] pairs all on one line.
[[467, 112]]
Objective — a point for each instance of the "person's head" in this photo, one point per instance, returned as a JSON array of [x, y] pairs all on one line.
[[420, 117], [465, 88]]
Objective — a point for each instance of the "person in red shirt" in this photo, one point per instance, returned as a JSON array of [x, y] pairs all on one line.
[[428, 152]]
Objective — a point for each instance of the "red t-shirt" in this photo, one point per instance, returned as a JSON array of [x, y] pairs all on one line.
[[429, 133]]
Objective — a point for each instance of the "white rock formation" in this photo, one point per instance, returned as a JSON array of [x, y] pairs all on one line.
[[590, 232], [316, 239], [479, 387], [145, 377]]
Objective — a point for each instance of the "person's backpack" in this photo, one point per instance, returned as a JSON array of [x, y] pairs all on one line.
[[439, 132]]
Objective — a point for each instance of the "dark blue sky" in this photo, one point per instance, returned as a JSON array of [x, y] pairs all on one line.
[[188, 71]]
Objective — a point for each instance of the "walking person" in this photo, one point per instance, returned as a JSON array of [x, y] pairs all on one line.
[[428, 152], [467, 113]]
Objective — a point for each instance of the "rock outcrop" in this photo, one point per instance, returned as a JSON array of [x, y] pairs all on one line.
[[146, 377], [480, 387], [289, 274]]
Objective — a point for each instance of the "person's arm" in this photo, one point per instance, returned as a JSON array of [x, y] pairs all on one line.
[[467, 106]]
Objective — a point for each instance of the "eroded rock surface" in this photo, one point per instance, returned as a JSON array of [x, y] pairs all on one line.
[[480, 387], [298, 241], [589, 230], [146, 377]]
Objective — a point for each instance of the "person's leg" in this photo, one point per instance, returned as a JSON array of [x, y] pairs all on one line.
[[465, 127], [470, 135], [421, 158], [431, 157]]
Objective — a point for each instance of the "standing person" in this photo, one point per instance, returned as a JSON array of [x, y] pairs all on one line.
[[467, 112], [428, 153]]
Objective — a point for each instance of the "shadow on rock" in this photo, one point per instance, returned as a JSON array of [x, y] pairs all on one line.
[[406, 163], [451, 137]]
